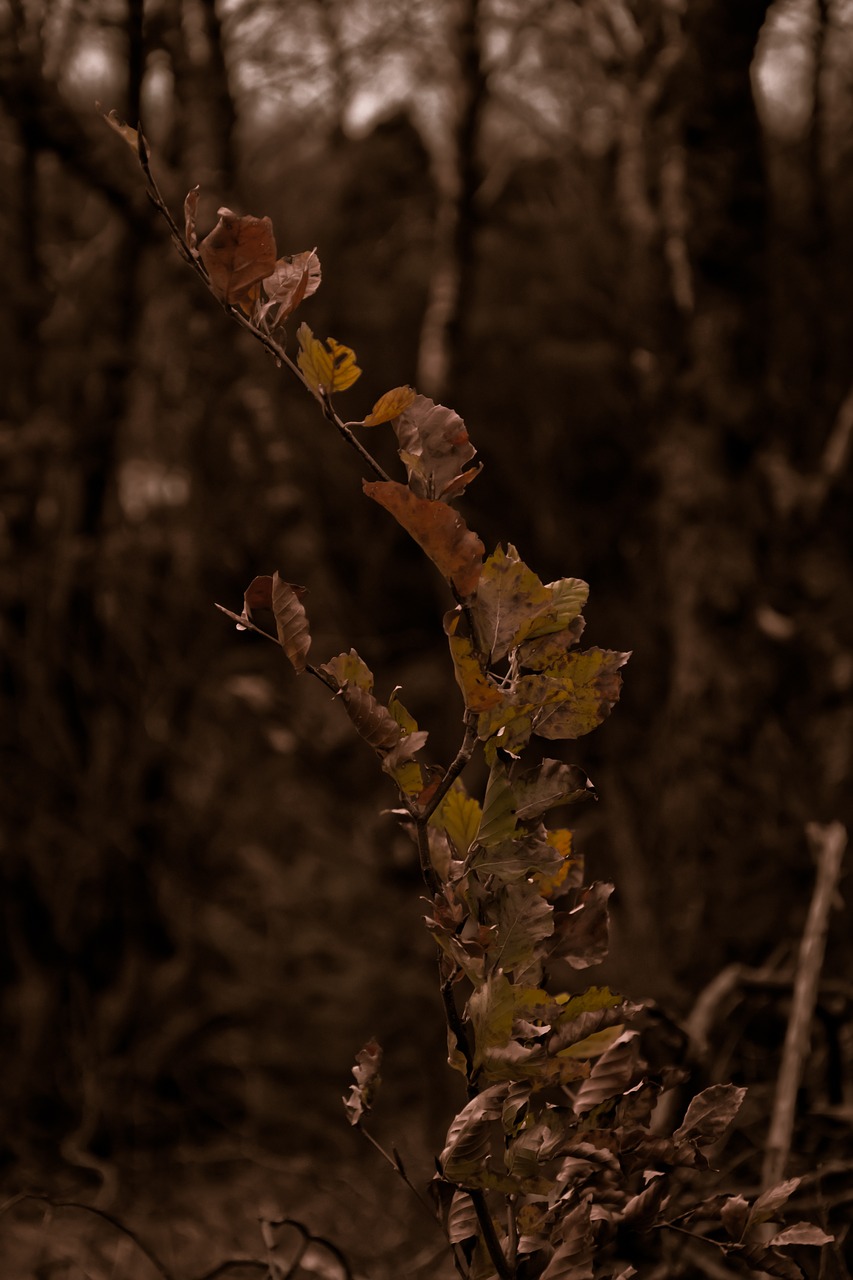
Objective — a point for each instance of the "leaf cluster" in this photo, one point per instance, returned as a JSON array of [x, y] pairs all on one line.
[[555, 1167]]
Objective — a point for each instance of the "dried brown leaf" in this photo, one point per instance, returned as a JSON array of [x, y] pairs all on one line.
[[238, 254]]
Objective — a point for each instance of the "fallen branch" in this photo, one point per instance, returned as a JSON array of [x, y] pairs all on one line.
[[828, 845]]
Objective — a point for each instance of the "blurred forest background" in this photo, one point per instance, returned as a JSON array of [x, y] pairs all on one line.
[[614, 235]]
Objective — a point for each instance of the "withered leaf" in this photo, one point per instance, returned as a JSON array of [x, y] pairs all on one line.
[[441, 533], [367, 1081], [573, 1258], [801, 1233], [591, 685], [582, 934], [550, 784], [434, 445], [257, 604], [612, 1074], [512, 604], [291, 621], [292, 281], [524, 920], [469, 1138], [498, 822], [130, 136], [190, 212], [326, 368], [710, 1113], [237, 254]]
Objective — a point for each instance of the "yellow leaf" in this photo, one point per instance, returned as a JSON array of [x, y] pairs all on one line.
[[478, 689], [390, 406], [459, 815], [328, 368], [593, 1046]]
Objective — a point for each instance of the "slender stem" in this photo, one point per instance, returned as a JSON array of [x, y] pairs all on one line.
[[274, 348], [463, 755], [490, 1238], [454, 1022], [397, 1165], [428, 871]]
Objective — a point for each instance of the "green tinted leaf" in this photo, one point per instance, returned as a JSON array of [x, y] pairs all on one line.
[[498, 821], [459, 815], [591, 684]]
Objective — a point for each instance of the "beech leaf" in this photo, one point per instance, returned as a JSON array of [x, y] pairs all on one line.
[[469, 1138], [498, 821], [367, 1080], [524, 920], [441, 533], [349, 668], [709, 1115], [582, 934], [801, 1233], [130, 135], [257, 604], [771, 1201], [459, 815], [512, 604], [291, 621], [389, 406], [326, 368], [573, 1258], [237, 254], [612, 1074], [478, 689], [291, 281], [552, 783], [591, 684], [434, 446]]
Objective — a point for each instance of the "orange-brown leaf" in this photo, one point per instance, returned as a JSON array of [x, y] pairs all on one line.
[[190, 212], [238, 254], [478, 689], [454, 549]]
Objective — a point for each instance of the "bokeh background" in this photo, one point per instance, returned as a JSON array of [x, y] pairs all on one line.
[[614, 235]]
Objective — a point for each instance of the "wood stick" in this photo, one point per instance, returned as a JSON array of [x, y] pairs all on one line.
[[828, 844]]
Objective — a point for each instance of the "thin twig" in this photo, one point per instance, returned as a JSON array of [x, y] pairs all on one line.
[[828, 844], [454, 1023], [397, 1165], [462, 758], [490, 1238], [143, 1248]]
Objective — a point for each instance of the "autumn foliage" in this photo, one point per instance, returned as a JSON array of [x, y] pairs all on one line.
[[562, 1164]]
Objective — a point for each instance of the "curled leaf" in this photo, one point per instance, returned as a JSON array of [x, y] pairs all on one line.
[[190, 212], [238, 254], [454, 549], [478, 689], [434, 445], [111, 118], [290, 283], [367, 1080], [291, 621]]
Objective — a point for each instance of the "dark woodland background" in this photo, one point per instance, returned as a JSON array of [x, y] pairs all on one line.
[[615, 236]]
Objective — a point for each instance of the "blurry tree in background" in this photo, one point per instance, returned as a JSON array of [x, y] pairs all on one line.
[[613, 235]]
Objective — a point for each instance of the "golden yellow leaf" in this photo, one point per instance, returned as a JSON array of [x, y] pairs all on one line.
[[331, 367], [390, 406]]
